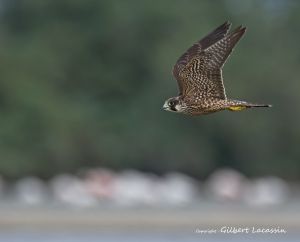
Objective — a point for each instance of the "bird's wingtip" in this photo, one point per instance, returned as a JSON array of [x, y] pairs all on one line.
[[227, 23]]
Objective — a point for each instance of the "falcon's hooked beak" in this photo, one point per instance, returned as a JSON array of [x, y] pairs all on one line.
[[166, 106]]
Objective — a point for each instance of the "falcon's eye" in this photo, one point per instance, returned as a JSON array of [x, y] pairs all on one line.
[[171, 103]]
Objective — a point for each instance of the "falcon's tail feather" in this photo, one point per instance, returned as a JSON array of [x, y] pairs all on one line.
[[235, 105]]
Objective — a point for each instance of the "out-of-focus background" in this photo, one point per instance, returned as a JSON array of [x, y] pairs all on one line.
[[86, 152]]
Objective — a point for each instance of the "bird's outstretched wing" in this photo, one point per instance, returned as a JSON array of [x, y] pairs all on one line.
[[199, 70]]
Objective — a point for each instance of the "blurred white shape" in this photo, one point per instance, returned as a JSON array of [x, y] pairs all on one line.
[[134, 188], [100, 183], [177, 189], [226, 184], [71, 190], [31, 191], [266, 191]]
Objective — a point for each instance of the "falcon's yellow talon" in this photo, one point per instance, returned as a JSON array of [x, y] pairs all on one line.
[[237, 108]]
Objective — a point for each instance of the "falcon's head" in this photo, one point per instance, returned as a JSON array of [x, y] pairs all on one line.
[[174, 104]]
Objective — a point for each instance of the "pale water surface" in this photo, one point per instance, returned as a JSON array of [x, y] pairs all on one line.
[[134, 236]]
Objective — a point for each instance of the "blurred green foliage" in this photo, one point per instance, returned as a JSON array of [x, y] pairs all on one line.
[[82, 84]]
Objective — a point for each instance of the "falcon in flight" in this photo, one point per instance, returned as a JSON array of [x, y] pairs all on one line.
[[199, 75]]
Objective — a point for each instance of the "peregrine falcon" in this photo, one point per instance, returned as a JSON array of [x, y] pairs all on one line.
[[199, 75]]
